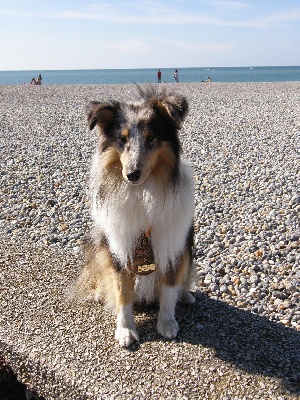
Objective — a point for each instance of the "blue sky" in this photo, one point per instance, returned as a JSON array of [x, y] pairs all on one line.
[[92, 34]]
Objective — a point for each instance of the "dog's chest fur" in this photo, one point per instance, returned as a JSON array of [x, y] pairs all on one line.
[[129, 211]]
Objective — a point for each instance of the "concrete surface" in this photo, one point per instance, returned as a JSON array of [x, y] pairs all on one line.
[[68, 351]]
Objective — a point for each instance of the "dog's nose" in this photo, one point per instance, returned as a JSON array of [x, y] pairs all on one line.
[[134, 176]]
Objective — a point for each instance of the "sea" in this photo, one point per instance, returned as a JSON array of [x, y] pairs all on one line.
[[148, 75]]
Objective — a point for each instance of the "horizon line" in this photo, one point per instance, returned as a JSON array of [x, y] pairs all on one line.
[[109, 69]]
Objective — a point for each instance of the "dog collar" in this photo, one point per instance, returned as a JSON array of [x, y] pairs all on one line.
[[143, 257]]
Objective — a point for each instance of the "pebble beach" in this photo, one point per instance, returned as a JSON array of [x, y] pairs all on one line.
[[243, 141]]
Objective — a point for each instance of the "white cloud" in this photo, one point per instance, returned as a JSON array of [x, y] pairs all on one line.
[[193, 47], [232, 5], [130, 46], [215, 47], [151, 13], [283, 16]]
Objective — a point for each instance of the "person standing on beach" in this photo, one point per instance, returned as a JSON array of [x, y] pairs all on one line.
[[176, 76], [159, 76], [39, 80]]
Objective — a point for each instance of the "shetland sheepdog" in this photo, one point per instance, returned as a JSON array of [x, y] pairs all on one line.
[[142, 198]]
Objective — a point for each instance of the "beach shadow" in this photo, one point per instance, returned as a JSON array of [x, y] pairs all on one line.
[[249, 341], [11, 388]]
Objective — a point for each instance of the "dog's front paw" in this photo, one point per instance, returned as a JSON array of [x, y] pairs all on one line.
[[126, 332], [126, 336], [167, 328]]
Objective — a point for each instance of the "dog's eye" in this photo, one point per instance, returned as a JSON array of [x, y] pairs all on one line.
[[122, 140], [150, 139]]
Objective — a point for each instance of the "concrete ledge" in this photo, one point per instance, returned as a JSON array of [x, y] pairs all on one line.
[[68, 351]]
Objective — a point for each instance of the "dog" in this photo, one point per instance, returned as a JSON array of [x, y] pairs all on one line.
[[142, 206]]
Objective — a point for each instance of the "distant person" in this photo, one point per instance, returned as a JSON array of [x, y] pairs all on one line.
[[159, 76], [39, 80], [208, 80], [176, 76]]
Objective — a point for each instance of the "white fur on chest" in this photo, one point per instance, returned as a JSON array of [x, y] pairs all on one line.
[[132, 210]]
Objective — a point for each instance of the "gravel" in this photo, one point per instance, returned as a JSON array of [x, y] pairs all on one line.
[[242, 338]]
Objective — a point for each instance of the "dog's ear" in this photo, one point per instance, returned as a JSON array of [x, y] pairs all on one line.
[[102, 114], [176, 108]]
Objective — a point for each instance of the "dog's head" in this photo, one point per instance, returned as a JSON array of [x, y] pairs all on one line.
[[137, 140]]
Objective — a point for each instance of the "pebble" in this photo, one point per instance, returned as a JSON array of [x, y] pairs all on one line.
[[243, 141]]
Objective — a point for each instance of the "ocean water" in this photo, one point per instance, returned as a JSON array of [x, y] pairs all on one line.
[[122, 76]]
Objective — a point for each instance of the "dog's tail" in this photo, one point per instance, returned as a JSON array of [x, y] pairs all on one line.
[[81, 289], [95, 282]]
